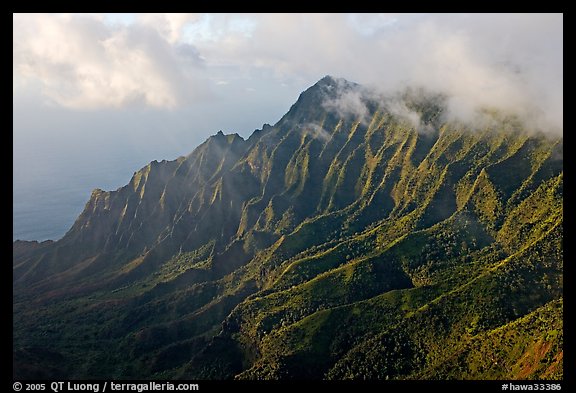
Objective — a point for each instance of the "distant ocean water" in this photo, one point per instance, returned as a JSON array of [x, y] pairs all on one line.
[[46, 212], [46, 205], [51, 192]]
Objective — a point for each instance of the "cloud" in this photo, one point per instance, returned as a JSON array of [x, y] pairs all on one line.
[[82, 62], [510, 61], [356, 103], [349, 101], [169, 26], [316, 131]]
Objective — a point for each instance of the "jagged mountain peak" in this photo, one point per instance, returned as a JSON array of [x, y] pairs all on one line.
[[317, 98], [331, 82], [331, 87], [220, 137]]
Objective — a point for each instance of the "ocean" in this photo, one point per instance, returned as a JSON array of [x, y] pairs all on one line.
[[46, 204], [51, 189]]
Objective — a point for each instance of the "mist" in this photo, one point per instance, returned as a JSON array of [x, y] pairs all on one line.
[[168, 61], [512, 62]]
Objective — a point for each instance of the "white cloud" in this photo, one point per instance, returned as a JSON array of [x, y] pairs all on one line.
[[82, 62], [512, 61], [170, 26]]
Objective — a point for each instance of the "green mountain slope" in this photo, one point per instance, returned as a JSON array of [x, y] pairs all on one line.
[[344, 242]]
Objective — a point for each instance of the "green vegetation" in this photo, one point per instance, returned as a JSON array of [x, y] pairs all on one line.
[[327, 246]]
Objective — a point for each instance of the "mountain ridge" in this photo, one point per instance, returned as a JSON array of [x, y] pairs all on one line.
[[266, 257]]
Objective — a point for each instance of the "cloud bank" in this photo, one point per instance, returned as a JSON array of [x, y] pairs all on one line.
[[81, 61], [508, 61]]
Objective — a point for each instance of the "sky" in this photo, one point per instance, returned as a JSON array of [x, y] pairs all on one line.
[[97, 96]]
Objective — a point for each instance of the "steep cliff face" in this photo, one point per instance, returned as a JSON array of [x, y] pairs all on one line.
[[360, 237]]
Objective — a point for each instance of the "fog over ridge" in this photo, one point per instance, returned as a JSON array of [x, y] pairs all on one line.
[[173, 61]]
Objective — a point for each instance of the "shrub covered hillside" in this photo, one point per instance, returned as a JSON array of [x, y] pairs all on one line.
[[344, 242]]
